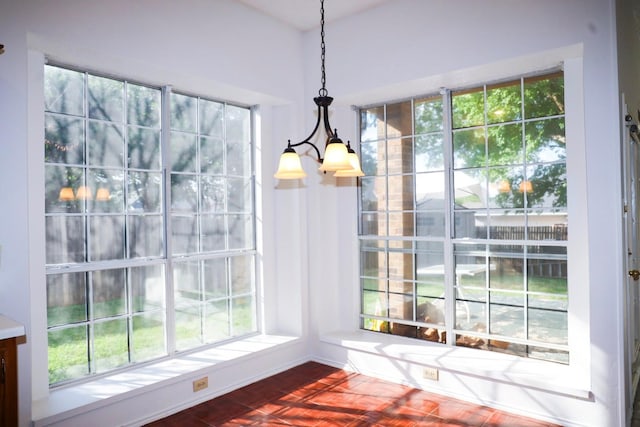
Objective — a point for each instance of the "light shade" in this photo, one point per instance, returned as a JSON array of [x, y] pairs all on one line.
[[103, 194], [84, 193], [66, 194], [504, 186], [335, 157], [290, 166], [354, 161], [526, 187]]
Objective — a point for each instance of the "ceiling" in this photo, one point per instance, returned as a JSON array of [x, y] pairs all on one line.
[[305, 14]]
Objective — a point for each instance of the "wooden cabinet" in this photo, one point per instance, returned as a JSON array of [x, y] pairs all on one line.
[[8, 383]]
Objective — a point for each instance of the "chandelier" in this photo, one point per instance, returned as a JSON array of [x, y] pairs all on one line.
[[338, 156]]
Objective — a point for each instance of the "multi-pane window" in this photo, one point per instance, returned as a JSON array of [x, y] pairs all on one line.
[[111, 218], [463, 218]]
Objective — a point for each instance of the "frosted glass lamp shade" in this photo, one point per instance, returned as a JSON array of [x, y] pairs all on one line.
[[290, 166], [335, 157], [84, 193], [355, 170], [526, 187], [66, 194], [103, 194]]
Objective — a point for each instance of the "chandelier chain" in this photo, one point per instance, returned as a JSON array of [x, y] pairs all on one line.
[[323, 91]]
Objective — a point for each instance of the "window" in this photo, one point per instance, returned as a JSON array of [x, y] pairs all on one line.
[[140, 264], [463, 218]]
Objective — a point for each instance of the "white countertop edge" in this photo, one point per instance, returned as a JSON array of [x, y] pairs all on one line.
[[10, 328]]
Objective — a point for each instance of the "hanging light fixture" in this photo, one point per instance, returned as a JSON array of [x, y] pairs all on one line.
[[338, 156]]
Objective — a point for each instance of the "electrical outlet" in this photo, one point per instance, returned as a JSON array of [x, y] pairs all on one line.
[[430, 374], [200, 384]]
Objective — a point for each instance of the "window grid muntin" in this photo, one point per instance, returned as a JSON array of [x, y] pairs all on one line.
[[86, 268], [489, 241]]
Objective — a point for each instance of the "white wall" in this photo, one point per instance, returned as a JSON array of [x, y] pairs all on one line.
[[413, 47], [405, 47], [216, 48]]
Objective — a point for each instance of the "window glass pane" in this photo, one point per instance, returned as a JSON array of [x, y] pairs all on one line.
[[107, 238], [402, 189], [400, 156], [105, 99], [239, 158], [215, 278], [504, 102], [109, 190], [63, 140], [184, 234], [371, 189], [546, 186], [66, 298], [430, 223], [401, 223], [504, 145], [430, 190], [144, 148], [111, 345], [243, 309], [184, 193], [213, 192], [183, 152], [211, 156], [506, 224], [108, 292], [372, 155], [147, 288], [470, 188], [217, 320], [65, 239], [143, 106], [467, 108], [506, 267], [211, 118], [428, 115], [186, 278], [144, 236], [63, 91], [61, 184], [469, 224], [399, 119], [144, 192], [504, 187], [240, 232], [429, 153], [213, 233], [68, 358], [469, 148], [544, 95], [184, 113], [239, 195], [545, 140], [507, 314], [238, 125], [105, 144], [372, 124], [147, 341], [188, 327], [241, 274]]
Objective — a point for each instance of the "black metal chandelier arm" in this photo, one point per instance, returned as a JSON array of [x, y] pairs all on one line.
[[327, 125], [297, 144]]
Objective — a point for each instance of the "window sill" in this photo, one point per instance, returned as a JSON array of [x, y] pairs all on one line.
[[545, 376], [66, 402]]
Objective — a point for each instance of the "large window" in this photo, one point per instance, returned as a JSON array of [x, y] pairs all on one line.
[[150, 244], [463, 218]]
